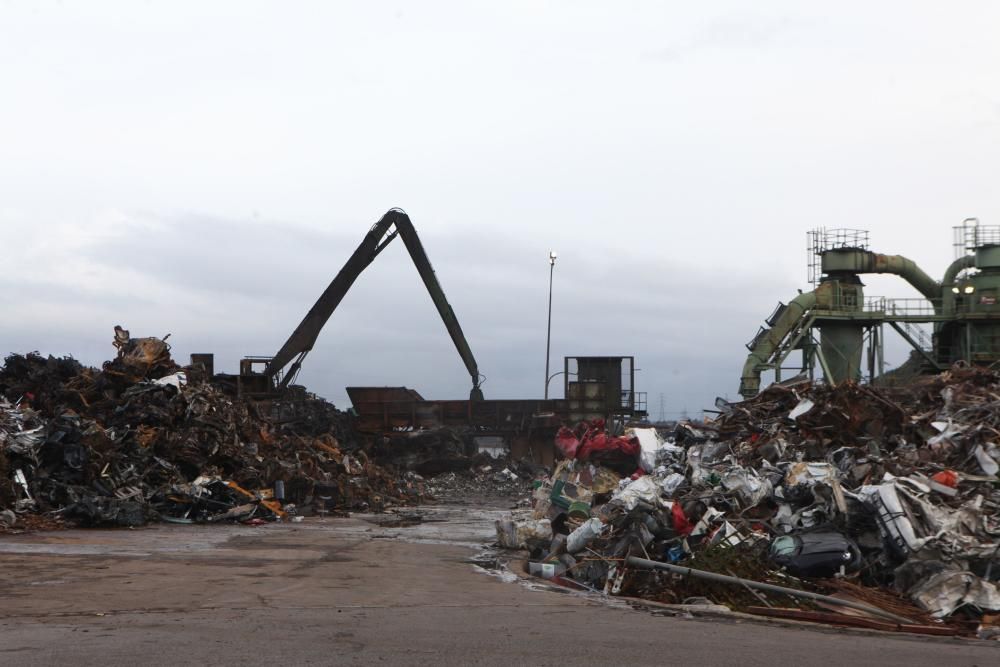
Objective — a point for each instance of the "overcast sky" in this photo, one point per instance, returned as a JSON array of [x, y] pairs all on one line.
[[205, 168]]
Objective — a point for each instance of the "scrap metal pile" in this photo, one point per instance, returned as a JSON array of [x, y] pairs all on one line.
[[136, 442], [851, 504], [425, 452], [448, 462], [494, 480]]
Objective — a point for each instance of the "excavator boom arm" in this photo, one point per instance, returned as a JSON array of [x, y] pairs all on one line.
[[426, 271], [379, 236]]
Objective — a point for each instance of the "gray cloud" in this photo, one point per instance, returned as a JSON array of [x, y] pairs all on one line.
[[206, 171]]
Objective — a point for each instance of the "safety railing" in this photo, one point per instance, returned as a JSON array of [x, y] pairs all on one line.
[[633, 400], [821, 239], [971, 235], [909, 307], [902, 310], [963, 304], [898, 308]]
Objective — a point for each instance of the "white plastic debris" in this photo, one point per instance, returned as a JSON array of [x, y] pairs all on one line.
[[176, 380], [947, 431], [645, 489], [804, 406], [652, 447], [649, 446], [987, 462]]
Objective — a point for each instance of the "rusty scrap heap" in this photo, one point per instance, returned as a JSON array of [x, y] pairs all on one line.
[[805, 501], [134, 441]]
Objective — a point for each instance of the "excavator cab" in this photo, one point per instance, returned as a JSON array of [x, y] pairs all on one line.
[[253, 379]]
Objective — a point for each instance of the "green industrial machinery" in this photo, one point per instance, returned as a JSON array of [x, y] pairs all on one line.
[[838, 328]]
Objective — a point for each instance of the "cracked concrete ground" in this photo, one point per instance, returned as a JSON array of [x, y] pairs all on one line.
[[347, 591]]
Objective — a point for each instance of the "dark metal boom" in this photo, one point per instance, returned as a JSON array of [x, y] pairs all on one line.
[[394, 223]]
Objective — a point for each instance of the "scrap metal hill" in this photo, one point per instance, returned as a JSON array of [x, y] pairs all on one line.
[[134, 441]]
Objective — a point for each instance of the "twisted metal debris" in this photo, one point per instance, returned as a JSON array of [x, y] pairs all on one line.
[[888, 495]]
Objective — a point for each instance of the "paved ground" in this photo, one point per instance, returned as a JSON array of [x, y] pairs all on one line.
[[345, 591]]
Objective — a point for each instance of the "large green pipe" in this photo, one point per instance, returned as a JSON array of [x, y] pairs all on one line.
[[946, 303], [854, 261], [760, 355], [908, 270], [963, 262]]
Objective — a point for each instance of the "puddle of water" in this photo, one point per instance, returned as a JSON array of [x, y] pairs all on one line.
[[439, 524], [142, 543]]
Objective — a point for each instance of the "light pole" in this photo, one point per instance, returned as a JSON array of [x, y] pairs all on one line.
[[550, 380], [548, 335]]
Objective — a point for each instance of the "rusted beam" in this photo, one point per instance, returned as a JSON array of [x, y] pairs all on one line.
[[831, 618]]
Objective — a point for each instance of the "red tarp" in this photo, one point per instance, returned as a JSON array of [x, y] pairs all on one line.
[[593, 440]]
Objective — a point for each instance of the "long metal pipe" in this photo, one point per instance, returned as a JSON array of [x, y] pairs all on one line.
[[738, 581], [906, 269], [853, 261], [963, 262]]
